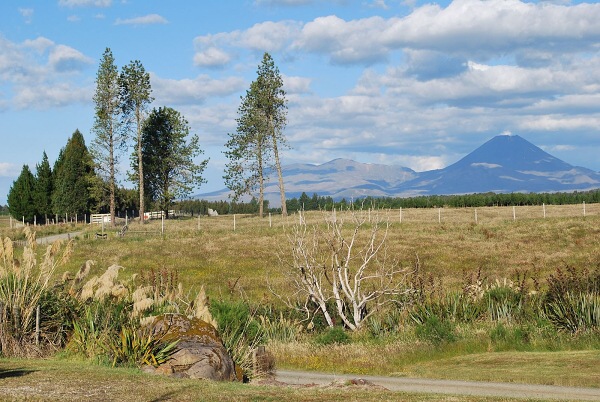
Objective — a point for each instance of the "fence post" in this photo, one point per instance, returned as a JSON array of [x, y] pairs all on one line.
[[439, 215], [37, 325], [270, 222], [476, 216], [234, 222], [17, 318], [544, 206], [584, 208], [400, 214], [514, 213]]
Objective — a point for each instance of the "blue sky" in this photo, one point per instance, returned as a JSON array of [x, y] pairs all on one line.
[[402, 82]]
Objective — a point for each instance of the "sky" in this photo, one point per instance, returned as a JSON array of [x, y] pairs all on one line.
[[401, 82]]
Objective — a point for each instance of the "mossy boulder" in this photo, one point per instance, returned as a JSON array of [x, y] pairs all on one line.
[[201, 352]]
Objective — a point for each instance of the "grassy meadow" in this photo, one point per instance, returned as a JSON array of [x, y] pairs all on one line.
[[517, 258], [208, 251]]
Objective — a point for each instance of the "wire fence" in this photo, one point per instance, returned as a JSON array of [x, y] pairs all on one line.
[[467, 215]]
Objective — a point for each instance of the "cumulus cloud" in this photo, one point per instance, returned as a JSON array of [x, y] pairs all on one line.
[[50, 95], [296, 85], [211, 57], [197, 90], [65, 58], [464, 30], [211, 50], [149, 19], [39, 73], [344, 41]]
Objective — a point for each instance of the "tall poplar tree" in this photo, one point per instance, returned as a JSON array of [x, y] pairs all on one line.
[[254, 147], [108, 126], [136, 95]]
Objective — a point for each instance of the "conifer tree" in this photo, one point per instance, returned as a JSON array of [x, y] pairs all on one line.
[[136, 96], [73, 176], [108, 125], [254, 147], [21, 196], [169, 168], [43, 189]]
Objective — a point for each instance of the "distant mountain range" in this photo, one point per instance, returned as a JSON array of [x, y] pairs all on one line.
[[504, 164]]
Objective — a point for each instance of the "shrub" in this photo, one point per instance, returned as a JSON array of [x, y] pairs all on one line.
[[23, 286], [455, 307], [240, 332], [281, 329], [333, 335], [137, 347], [503, 302], [575, 312], [435, 331]]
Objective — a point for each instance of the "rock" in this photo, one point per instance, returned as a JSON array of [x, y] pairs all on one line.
[[201, 352]]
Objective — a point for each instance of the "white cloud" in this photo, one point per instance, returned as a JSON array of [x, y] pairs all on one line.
[[197, 90], [560, 123], [39, 74], [211, 50], [468, 29], [144, 20], [65, 58], [8, 170], [85, 3], [50, 95], [344, 41], [73, 18], [296, 85], [211, 57], [27, 14]]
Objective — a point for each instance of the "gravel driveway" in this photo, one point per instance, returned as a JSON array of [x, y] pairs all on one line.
[[508, 390]]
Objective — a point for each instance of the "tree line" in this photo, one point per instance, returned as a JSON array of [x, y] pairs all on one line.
[[163, 165], [84, 180], [71, 187], [316, 202]]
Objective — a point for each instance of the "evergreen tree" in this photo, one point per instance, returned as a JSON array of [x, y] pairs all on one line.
[[254, 146], [108, 125], [169, 168], [21, 196], [74, 175], [136, 95], [43, 189]]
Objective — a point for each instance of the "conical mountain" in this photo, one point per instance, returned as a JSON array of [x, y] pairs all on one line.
[[504, 164]]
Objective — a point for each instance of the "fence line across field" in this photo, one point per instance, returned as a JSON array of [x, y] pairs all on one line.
[[447, 215]]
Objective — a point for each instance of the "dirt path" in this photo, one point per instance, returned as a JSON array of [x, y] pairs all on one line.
[[53, 238], [470, 388]]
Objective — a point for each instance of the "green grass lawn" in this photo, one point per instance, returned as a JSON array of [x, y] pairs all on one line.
[[67, 380]]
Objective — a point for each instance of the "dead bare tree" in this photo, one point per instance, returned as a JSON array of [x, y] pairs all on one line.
[[345, 264]]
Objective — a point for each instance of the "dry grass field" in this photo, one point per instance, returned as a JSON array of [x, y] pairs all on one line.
[[238, 257], [230, 254]]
